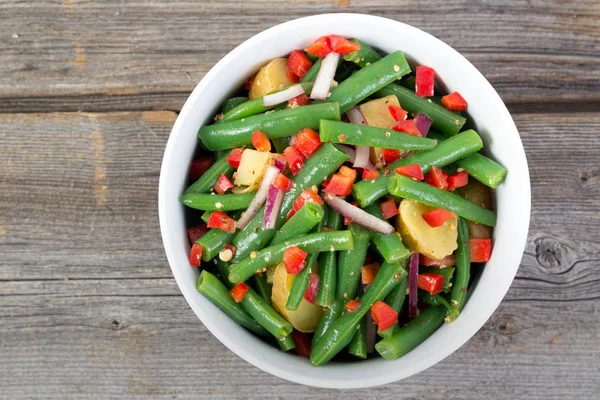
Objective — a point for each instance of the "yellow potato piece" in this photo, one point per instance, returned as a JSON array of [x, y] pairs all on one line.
[[476, 192], [251, 170], [434, 243], [271, 77], [306, 317]]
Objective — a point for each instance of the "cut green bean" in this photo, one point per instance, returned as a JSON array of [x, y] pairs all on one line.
[[442, 118], [363, 57], [447, 273], [328, 265], [412, 334], [212, 202], [274, 125], [205, 183], [395, 300], [301, 223], [212, 243], [266, 315], [405, 187], [214, 290], [314, 242], [363, 135], [435, 300], [232, 103], [358, 344], [262, 287], [350, 263], [312, 73], [463, 271], [447, 151], [327, 319], [391, 247], [281, 144], [206, 216]]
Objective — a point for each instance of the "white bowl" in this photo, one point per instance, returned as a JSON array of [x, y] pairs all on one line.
[[493, 122]]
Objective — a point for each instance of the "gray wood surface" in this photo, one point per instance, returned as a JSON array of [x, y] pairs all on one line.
[[88, 305]]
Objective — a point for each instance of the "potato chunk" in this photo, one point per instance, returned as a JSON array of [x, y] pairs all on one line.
[[270, 78], [476, 192], [251, 170]]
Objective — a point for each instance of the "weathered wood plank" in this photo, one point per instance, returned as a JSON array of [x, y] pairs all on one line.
[[149, 55]]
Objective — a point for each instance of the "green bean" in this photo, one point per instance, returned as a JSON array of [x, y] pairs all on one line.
[[212, 202], [390, 246], [281, 144], [312, 73], [446, 152], [215, 291], [342, 330], [212, 243], [405, 187], [314, 242], [262, 287], [350, 263], [412, 334], [447, 273], [363, 57], [463, 271], [328, 265], [395, 300], [363, 135], [369, 80], [327, 319], [443, 119], [358, 344], [274, 125], [206, 182], [266, 315], [317, 168], [301, 223], [206, 216], [232, 103], [435, 300]]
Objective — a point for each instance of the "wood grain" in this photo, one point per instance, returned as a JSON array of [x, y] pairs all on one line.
[[89, 309], [110, 55]]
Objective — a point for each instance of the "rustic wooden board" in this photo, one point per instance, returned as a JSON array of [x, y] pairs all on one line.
[[89, 309], [103, 56]]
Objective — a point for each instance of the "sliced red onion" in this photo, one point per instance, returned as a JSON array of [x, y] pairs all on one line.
[[272, 207], [349, 150], [423, 123], [358, 215], [325, 76], [362, 157], [280, 163], [356, 116], [282, 96], [259, 198], [292, 139], [413, 276]]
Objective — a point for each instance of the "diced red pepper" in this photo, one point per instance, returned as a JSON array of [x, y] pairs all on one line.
[[220, 220], [313, 288], [294, 159], [352, 305], [283, 182], [389, 209], [437, 177], [447, 261], [223, 184], [437, 217], [368, 273], [383, 315], [341, 45], [303, 342], [239, 292], [425, 81], [235, 157], [305, 197], [390, 155], [458, 180], [412, 171], [249, 82], [369, 174], [196, 255], [196, 232], [454, 102], [298, 101], [199, 166], [293, 258], [261, 142], [307, 142], [407, 127], [397, 113], [341, 183], [292, 77], [481, 250], [432, 283], [320, 47], [298, 63]]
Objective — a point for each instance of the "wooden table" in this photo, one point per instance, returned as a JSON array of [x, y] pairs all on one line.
[[89, 91]]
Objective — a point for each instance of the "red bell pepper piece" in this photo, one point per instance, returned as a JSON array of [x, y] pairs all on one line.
[[199, 166], [292, 77], [220, 220], [368, 273], [383, 315], [369, 174], [298, 101], [407, 127], [390, 155], [260, 141], [458, 180], [447, 261], [320, 48], [341, 45], [412, 171], [389, 209], [397, 113], [195, 255], [313, 288], [305, 197], [437, 177], [307, 142], [432, 283], [294, 159], [283, 182], [425, 81], [196, 232], [249, 82], [454, 102], [235, 157], [437, 217], [352, 305], [239, 292], [341, 183], [481, 250], [298, 63], [293, 258], [223, 184], [303, 342]]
